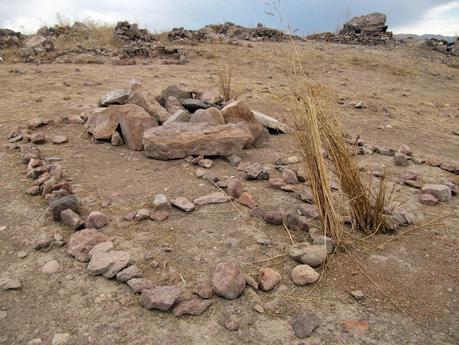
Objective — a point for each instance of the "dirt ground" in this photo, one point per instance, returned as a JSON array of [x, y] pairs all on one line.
[[410, 283]]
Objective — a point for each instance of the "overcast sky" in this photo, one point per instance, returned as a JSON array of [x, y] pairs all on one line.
[[307, 16]]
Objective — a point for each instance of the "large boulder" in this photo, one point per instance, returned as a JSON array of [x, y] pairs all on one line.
[[180, 140], [102, 123], [370, 23], [238, 111]]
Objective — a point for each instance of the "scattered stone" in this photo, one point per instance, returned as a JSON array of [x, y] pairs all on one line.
[[296, 222], [234, 160], [60, 339], [289, 176], [22, 254], [384, 151], [359, 105], [96, 220], [161, 202], [428, 199], [309, 211], [205, 163], [129, 273], [312, 255], [159, 216], [83, 241], [434, 162], [235, 187], [71, 219], [106, 261], [413, 184], [37, 122], [250, 281], [195, 306], [180, 140], [38, 138], [35, 190], [358, 295], [404, 149], [257, 212], [256, 171], [43, 244], [276, 182], [304, 274], [51, 267], [160, 297], [142, 214], [183, 203], [409, 176], [59, 139], [248, 200], [268, 279], [305, 323], [58, 204], [114, 97], [401, 159], [140, 284], [10, 284], [228, 280], [212, 198], [273, 217], [180, 115], [440, 191]]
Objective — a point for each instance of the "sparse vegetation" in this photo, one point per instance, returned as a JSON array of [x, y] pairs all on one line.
[[224, 82]]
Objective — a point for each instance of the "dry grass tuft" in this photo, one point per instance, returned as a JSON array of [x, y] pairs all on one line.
[[224, 82]]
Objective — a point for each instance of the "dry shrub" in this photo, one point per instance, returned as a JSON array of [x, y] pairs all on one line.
[[224, 82]]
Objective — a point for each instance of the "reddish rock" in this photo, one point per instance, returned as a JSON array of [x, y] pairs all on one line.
[[295, 222], [140, 284], [83, 241], [247, 199], [211, 115], [356, 327], [102, 123], [96, 220], [228, 280], [105, 261], [268, 279], [409, 176], [160, 297], [71, 219], [401, 159], [183, 203], [276, 182], [129, 273], [440, 191], [235, 187], [428, 199], [159, 216], [212, 198], [204, 291], [434, 161], [304, 274], [273, 217], [289, 176], [238, 111], [194, 306], [257, 212], [133, 121]]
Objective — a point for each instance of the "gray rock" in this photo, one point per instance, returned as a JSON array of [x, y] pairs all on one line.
[[129, 273], [440, 191], [71, 219], [235, 187], [178, 116], [234, 160], [401, 159], [305, 323], [256, 171], [228, 280], [312, 255], [58, 204], [51, 267], [10, 284], [107, 262], [183, 204], [273, 217], [205, 163], [212, 198], [142, 214], [304, 274], [193, 105], [296, 222], [160, 297], [161, 202], [114, 97]]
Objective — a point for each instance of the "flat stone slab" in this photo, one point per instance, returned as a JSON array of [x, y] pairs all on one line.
[[180, 140], [161, 297]]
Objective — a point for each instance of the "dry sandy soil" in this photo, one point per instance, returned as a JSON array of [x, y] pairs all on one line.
[[410, 283]]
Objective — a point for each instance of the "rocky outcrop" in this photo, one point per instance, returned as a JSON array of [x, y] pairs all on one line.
[[10, 39]]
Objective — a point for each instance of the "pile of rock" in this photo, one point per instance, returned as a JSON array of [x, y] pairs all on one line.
[[370, 29], [178, 124], [126, 32], [37, 49], [10, 39], [228, 31], [445, 47]]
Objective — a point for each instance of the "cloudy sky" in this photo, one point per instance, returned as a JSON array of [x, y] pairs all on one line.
[[306, 16]]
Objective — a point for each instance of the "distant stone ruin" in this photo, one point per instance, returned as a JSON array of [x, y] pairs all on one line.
[[442, 46], [370, 29]]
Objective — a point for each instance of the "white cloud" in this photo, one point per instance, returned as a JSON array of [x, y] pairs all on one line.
[[443, 20]]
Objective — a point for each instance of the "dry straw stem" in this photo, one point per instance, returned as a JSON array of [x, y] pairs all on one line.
[[224, 82]]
